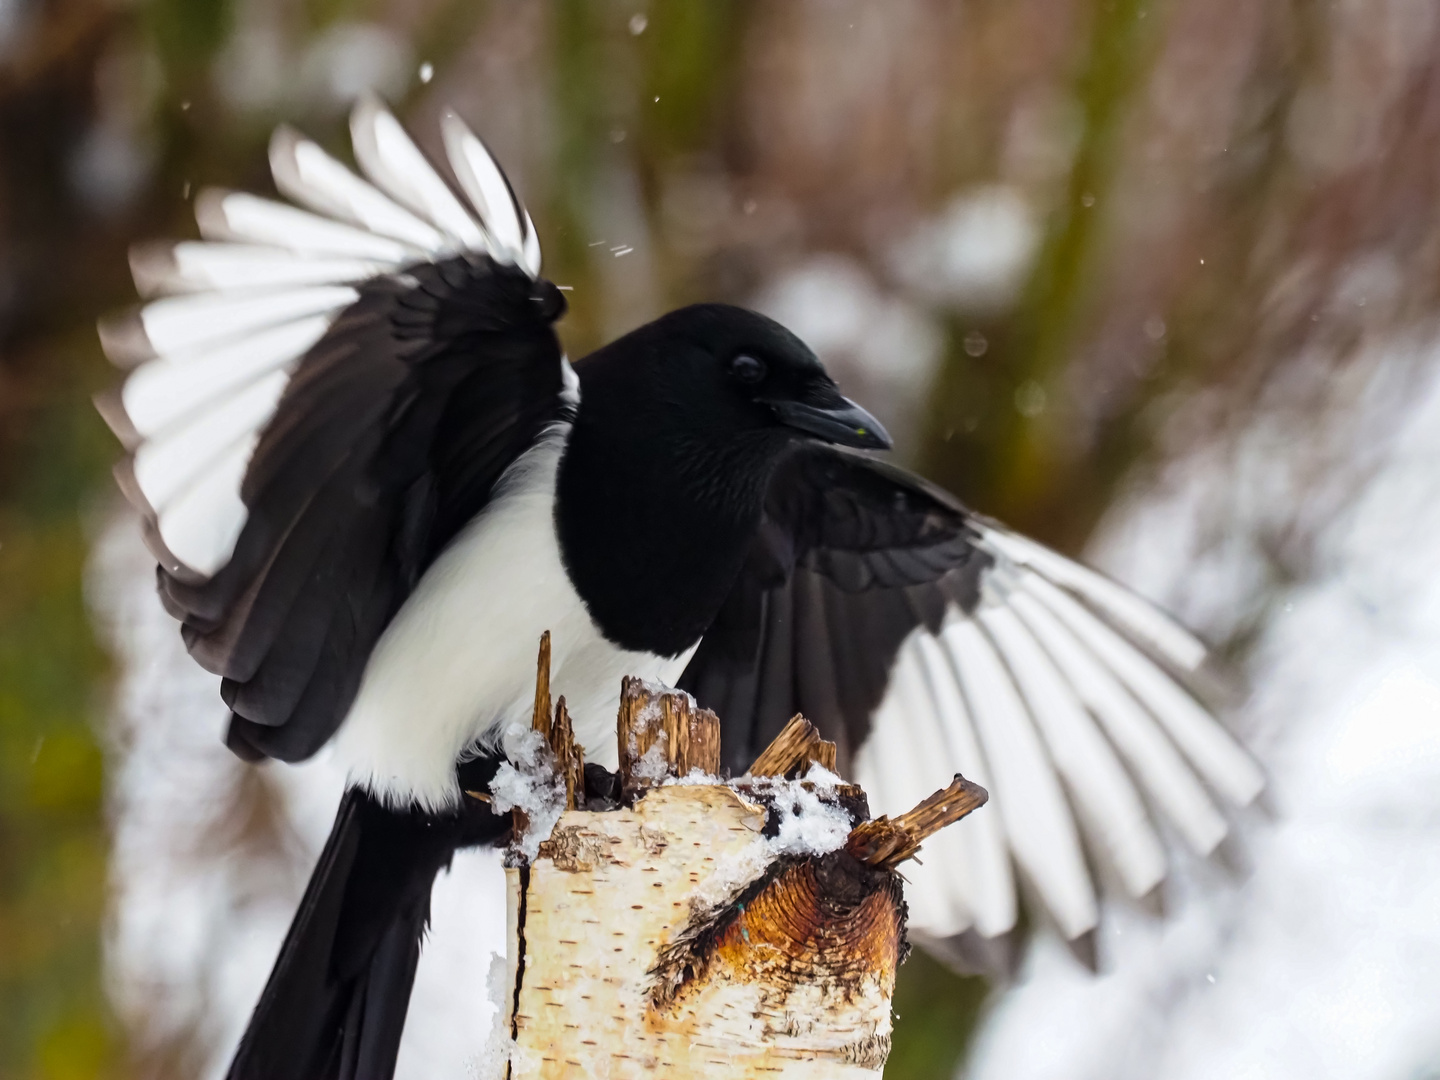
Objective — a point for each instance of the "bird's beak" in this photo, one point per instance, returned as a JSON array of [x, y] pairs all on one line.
[[839, 421]]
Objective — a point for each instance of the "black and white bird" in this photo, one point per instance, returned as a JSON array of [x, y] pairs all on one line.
[[372, 480]]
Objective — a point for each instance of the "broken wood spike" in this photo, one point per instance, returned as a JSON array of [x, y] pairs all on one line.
[[569, 756], [887, 842], [688, 737], [540, 719], [798, 742], [632, 733], [692, 735]]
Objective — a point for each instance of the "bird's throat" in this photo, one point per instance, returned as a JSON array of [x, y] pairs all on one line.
[[653, 529]]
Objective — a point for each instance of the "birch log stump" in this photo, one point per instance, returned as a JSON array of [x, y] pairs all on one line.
[[672, 923]]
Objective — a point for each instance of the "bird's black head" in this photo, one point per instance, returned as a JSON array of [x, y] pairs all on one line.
[[728, 376], [679, 428]]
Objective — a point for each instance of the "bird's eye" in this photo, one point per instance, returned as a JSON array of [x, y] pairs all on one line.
[[748, 370]]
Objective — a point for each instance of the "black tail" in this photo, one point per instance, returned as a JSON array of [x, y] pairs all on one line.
[[335, 1004]]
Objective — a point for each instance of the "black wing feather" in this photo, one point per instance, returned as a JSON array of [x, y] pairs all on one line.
[[851, 556]]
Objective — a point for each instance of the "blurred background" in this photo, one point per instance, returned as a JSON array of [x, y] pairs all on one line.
[[1153, 280]]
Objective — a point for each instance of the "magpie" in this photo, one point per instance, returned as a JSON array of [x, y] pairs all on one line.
[[371, 480]]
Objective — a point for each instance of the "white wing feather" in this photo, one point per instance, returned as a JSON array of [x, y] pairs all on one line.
[[1161, 770], [235, 215], [890, 774], [1104, 796], [530, 253], [490, 194], [179, 324], [311, 177], [201, 525], [166, 466], [240, 308], [1048, 680], [198, 266], [395, 164], [167, 390], [1171, 639], [990, 890], [1037, 820], [1220, 760], [947, 851]]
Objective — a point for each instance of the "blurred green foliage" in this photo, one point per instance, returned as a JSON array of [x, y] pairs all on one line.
[[689, 53], [935, 1013], [1008, 459], [187, 33], [54, 1023]]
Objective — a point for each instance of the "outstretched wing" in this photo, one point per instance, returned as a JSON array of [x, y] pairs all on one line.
[[925, 641], [324, 397]]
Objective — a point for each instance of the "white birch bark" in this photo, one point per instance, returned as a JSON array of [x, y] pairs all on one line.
[[684, 933]]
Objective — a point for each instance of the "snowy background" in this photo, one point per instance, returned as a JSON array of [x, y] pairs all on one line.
[[1155, 281]]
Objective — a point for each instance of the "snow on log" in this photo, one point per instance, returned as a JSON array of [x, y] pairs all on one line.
[[670, 920]]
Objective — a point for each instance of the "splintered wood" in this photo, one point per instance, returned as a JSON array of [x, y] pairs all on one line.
[[797, 745], [663, 733], [681, 931], [888, 842]]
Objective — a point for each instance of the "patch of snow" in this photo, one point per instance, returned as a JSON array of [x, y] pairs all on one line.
[[732, 874], [833, 304], [822, 778], [652, 766], [448, 1024], [811, 822], [110, 165], [696, 777], [527, 781], [348, 59], [253, 71], [810, 819], [809, 825], [975, 253], [493, 1061], [262, 65]]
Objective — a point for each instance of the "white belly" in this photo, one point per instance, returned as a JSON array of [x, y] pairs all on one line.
[[458, 661]]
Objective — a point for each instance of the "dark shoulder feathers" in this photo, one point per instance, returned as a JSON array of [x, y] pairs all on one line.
[[851, 556]]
